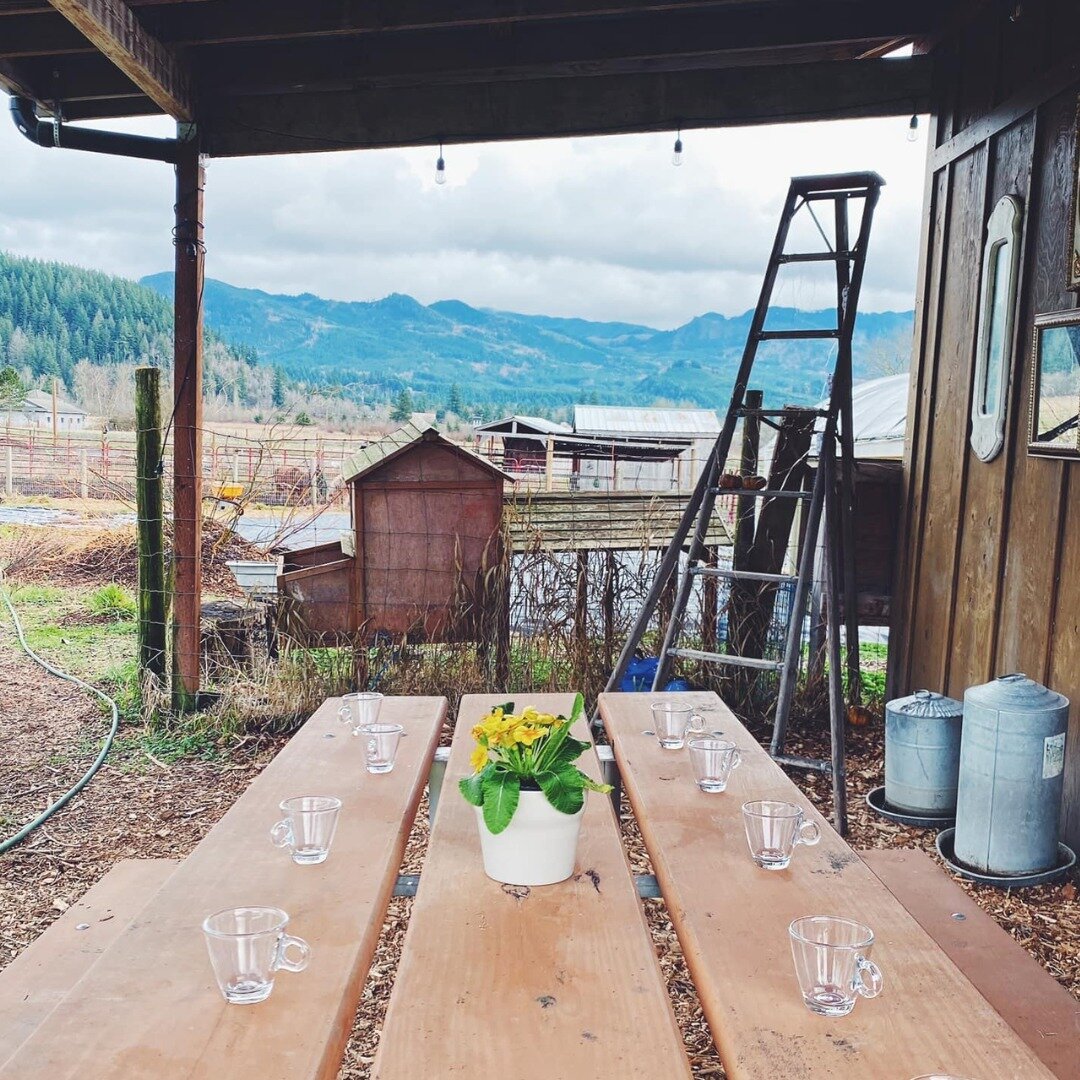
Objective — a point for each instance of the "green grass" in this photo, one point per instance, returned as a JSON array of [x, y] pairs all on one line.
[[38, 595], [113, 600]]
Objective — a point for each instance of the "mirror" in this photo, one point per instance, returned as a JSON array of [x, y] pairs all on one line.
[[1055, 385], [997, 302]]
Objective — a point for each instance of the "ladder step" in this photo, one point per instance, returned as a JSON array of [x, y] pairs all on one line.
[[803, 762], [817, 256], [745, 410], [742, 575], [727, 658], [763, 493], [798, 335]]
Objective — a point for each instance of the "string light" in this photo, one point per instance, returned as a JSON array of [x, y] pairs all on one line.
[[913, 128], [676, 154], [440, 168]]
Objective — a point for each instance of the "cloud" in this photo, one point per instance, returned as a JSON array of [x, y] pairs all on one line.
[[598, 228]]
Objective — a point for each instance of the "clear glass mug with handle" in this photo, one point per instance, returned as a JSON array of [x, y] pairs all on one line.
[[713, 761], [381, 746], [673, 721], [832, 963], [308, 827], [774, 829], [360, 709], [248, 946]]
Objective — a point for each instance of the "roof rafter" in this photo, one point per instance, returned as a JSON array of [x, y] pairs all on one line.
[[112, 27]]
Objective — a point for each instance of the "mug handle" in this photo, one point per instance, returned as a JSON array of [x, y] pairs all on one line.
[[868, 980], [809, 834], [344, 714], [286, 943], [736, 759], [696, 725], [281, 835]]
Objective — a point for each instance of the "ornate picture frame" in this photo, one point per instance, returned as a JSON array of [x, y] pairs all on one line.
[[1054, 429], [1072, 248]]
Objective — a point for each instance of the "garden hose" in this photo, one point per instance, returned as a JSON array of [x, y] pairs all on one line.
[[48, 812]]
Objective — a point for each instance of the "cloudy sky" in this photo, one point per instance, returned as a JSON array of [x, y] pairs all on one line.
[[597, 228]]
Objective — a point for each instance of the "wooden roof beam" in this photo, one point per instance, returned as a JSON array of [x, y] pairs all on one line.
[[112, 27], [551, 108]]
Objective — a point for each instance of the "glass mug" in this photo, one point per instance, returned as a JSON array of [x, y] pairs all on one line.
[[360, 709], [672, 722], [773, 829], [713, 761], [247, 946], [381, 745], [832, 963], [307, 828]]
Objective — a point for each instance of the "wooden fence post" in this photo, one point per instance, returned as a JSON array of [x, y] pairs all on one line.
[[549, 469], [84, 476], [9, 484], [150, 526]]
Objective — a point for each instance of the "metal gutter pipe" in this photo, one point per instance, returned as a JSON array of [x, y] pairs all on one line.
[[55, 133]]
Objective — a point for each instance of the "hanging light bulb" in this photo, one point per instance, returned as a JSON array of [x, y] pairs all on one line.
[[440, 168], [913, 128], [676, 154]]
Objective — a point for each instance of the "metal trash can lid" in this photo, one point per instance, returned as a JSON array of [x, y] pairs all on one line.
[[927, 704], [1016, 692]]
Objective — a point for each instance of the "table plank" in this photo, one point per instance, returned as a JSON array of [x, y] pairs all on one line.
[[732, 919], [1033, 1003], [149, 1007], [554, 982]]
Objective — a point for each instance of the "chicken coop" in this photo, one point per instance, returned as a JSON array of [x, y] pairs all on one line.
[[420, 558]]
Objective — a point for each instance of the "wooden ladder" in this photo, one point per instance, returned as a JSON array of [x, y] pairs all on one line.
[[826, 501]]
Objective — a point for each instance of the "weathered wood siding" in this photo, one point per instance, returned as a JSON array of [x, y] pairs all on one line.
[[989, 575]]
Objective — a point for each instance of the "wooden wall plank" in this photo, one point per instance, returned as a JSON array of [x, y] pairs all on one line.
[[978, 586], [1032, 526], [934, 584]]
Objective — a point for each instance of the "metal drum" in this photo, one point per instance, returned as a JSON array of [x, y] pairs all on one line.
[[922, 753], [1012, 765]]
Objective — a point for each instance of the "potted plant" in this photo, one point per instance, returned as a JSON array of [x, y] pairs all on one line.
[[528, 793]]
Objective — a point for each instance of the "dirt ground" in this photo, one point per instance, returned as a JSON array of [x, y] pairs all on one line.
[[142, 806]]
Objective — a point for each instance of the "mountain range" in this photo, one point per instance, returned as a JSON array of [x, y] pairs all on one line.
[[377, 348]]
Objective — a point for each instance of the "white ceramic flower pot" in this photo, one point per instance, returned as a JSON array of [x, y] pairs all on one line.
[[538, 847]]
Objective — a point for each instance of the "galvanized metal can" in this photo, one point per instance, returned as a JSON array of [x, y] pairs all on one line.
[[922, 753], [1012, 766]]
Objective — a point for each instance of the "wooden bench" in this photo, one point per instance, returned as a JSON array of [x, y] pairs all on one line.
[[732, 920], [1030, 1000], [150, 1008], [41, 975], [541, 984]]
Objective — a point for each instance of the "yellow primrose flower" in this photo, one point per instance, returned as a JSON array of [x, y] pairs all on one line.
[[479, 759], [526, 735]]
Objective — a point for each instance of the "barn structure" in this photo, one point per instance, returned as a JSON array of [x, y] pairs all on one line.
[[990, 565], [426, 527]]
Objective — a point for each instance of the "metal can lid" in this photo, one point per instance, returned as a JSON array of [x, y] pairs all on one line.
[[1016, 691], [928, 704]]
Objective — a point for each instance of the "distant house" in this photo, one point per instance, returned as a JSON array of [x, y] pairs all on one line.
[[36, 411]]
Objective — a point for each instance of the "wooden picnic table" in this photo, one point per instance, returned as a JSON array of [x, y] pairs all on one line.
[[551, 983], [732, 921], [149, 1008]]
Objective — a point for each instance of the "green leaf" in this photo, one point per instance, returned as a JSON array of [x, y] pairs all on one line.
[[578, 711], [563, 789], [588, 782], [472, 787], [501, 792], [507, 707]]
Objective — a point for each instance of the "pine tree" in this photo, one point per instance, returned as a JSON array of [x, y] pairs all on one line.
[[454, 404], [403, 407], [278, 393]]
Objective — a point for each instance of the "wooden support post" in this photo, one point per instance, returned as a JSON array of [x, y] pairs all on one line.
[[55, 424], [9, 482], [608, 606], [549, 467], [150, 525], [187, 425], [581, 616], [710, 596], [748, 465]]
